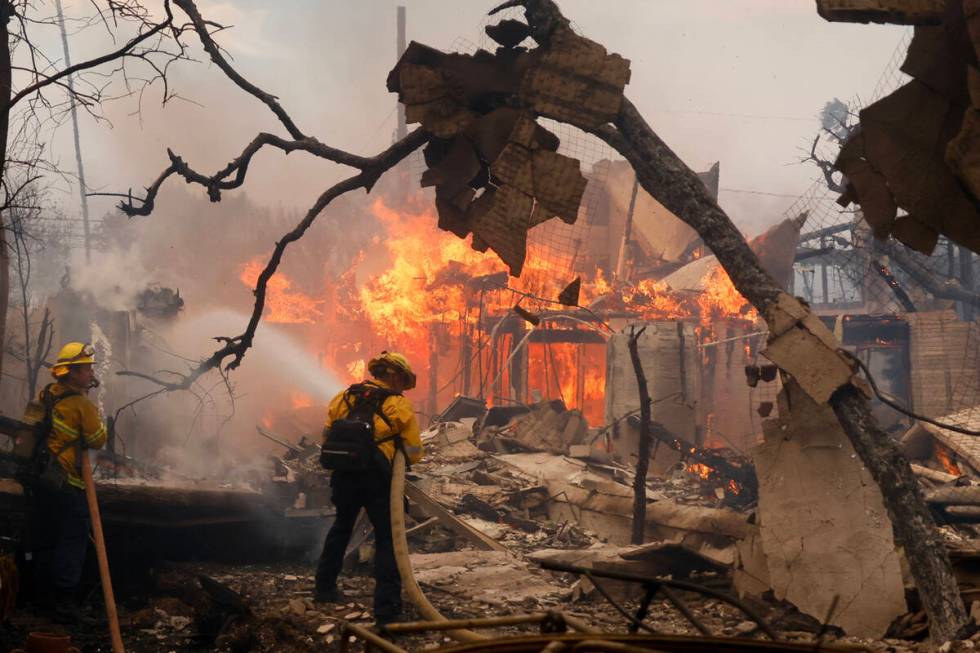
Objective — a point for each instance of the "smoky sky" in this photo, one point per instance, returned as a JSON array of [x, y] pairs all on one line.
[[735, 81]]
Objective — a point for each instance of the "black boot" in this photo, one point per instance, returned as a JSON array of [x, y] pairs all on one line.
[[332, 595], [383, 620], [66, 611]]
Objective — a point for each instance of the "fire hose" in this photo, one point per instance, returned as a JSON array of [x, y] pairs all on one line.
[[400, 545]]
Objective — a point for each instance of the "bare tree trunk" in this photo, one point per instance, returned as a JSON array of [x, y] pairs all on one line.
[[6, 10], [673, 184], [643, 451]]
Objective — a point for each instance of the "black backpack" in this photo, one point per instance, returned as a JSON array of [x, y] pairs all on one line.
[[349, 443], [44, 468]]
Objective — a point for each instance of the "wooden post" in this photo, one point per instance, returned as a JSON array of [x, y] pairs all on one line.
[[643, 453], [107, 594], [433, 372], [627, 231], [966, 280]]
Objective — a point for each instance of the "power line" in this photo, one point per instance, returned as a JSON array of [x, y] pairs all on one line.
[[751, 116], [758, 192]]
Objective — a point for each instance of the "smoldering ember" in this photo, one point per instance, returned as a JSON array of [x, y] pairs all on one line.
[[563, 326]]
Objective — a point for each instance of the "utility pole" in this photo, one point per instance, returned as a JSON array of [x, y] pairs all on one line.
[[402, 131], [78, 145]]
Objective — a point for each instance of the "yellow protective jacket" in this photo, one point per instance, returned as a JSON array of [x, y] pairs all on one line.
[[73, 418], [399, 412]]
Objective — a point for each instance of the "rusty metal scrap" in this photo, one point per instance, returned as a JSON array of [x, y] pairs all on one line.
[[900, 12]]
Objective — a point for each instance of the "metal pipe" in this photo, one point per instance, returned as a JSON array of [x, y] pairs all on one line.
[[363, 633], [452, 624]]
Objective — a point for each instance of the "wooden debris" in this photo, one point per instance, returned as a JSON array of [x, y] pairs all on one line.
[[896, 12], [450, 521], [932, 474], [496, 171], [575, 80], [839, 549], [548, 427], [915, 149], [803, 346], [960, 496]]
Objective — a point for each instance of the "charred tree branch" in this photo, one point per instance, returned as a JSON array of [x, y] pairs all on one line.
[[236, 347], [124, 51], [945, 288], [238, 167], [663, 175], [826, 167], [673, 184], [211, 47]]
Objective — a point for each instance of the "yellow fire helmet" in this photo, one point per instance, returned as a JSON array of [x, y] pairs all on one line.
[[74, 353], [391, 359]]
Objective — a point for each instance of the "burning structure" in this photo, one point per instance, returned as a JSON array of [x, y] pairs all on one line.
[[578, 303]]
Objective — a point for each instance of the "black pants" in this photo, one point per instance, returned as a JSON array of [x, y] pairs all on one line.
[[351, 492], [61, 534]]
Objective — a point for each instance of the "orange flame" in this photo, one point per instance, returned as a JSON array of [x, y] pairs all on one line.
[[944, 456], [300, 400], [702, 471], [720, 299], [282, 303], [410, 291]]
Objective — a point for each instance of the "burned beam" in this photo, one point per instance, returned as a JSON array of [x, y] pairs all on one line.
[[948, 288], [572, 336]]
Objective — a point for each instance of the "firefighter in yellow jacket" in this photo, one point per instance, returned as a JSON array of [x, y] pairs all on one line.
[[394, 425], [62, 512]]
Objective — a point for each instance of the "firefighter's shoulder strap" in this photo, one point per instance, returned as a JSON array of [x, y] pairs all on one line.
[[49, 400], [366, 397], [374, 397]]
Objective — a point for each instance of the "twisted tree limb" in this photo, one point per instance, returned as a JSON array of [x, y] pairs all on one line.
[[204, 34], [673, 184], [233, 175], [236, 347], [662, 174], [944, 287]]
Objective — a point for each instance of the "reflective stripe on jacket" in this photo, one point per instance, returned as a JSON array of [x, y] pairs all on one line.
[[399, 412], [72, 418]]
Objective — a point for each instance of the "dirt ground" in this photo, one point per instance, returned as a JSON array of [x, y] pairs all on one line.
[[269, 608]]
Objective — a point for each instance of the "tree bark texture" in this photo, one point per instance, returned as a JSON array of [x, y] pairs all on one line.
[[643, 451], [915, 529], [673, 184], [5, 82]]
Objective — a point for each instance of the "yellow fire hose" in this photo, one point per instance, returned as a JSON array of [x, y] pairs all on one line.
[[400, 543]]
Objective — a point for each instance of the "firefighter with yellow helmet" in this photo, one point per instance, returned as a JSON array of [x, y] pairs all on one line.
[[62, 519], [366, 424]]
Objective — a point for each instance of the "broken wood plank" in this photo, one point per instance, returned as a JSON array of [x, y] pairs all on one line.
[[959, 496], [961, 514], [932, 474], [418, 528], [895, 12], [362, 529], [430, 507]]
